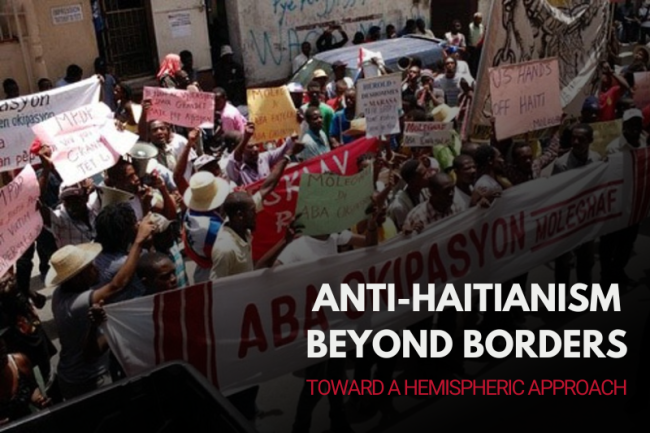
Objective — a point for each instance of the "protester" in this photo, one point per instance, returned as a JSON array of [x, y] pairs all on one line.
[[127, 112], [612, 88], [450, 82], [314, 90], [615, 249], [108, 83], [73, 74], [230, 117], [326, 42], [302, 57], [11, 89], [422, 29], [340, 69], [315, 139], [170, 65], [342, 121], [44, 84], [187, 65], [475, 36], [455, 37], [413, 173], [582, 135], [72, 275], [228, 74], [157, 273]]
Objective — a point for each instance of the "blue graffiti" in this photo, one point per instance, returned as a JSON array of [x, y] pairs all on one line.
[[263, 54], [324, 8]]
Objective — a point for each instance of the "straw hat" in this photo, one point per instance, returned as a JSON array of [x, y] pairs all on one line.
[[206, 192], [445, 113], [357, 128], [319, 73], [68, 261], [108, 196]]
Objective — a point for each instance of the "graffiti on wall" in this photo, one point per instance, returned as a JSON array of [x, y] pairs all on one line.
[[291, 22]]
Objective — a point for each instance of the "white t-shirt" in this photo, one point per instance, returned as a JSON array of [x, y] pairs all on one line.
[[176, 147], [488, 183], [461, 199], [306, 248]]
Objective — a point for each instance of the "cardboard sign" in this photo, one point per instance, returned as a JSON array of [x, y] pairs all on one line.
[[280, 205], [426, 134], [84, 141], [329, 203], [180, 107], [20, 222], [641, 89], [525, 97], [273, 113], [19, 115], [605, 133], [380, 99]]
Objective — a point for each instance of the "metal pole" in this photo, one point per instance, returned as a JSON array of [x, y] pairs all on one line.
[[23, 49]]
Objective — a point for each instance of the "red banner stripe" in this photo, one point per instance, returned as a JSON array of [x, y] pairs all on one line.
[[172, 332], [195, 327], [211, 335]]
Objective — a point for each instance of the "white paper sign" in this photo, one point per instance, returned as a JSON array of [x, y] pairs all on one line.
[[67, 14], [380, 99], [181, 24]]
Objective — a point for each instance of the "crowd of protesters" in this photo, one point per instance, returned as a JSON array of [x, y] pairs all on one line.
[[132, 233]]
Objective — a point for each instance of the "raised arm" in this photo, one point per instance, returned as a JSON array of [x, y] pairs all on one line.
[[124, 275]]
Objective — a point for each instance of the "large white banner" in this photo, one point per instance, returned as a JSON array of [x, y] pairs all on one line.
[[18, 115], [574, 31], [251, 328]]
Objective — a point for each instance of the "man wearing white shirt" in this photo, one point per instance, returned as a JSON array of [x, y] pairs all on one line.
[[302, 58]]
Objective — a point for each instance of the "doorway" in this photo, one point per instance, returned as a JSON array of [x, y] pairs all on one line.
[[126, 38]]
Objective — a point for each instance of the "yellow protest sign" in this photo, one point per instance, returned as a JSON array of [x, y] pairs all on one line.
[[273, 113], [605, 133]]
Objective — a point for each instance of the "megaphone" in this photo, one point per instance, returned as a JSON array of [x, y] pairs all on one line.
[[404, 63], [108, 196], [143, 157]]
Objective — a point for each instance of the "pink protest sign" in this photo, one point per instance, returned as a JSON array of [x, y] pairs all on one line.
[[20, 222], [525, 97], [180, 107], [84, 141]]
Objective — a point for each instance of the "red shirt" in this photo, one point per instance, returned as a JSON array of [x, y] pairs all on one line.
[[608, 102]]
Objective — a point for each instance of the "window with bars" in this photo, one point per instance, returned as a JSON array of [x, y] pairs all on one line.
[[8, 21]]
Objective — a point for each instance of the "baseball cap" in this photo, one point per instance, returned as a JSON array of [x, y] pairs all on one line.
[[591, 104], [631, 114]]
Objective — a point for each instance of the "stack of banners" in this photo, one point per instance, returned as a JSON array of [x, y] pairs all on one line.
[[250, 328], [20, 221], [84, 141], [18, 115], [379, 99], [573, 31], [273, 113], [427, 134], [280, 205], [525, 97], [180, 107]]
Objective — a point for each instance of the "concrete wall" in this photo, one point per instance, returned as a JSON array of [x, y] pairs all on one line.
[[268, 33], [64, 44], [12, 66]]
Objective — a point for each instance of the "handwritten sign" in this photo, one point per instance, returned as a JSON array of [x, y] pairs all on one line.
[[180, 107], [641, 89], [330, 203], [370, 69], [20, 222], [605, 133], [525, 97], [273, 113], [426, 134], [380, 99], [84, 141], [19, 115]]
